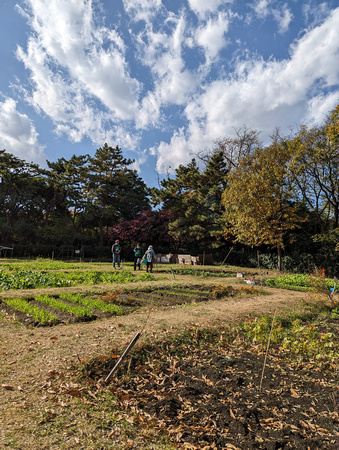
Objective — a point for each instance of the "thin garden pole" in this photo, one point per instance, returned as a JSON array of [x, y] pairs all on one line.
[[227, 256], [268, 344], [123, 356]]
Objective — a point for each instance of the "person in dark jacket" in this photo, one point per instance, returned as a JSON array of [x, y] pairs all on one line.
[[137, 256], [116, 250]]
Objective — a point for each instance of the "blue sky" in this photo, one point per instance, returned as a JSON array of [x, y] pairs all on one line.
[[163, 79]]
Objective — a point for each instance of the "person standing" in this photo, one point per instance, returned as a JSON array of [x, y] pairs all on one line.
[[137, 256], [116, 250], [149, 255]]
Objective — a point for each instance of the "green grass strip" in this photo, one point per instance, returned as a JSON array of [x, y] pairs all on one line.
[[93, 303], [66, 307], [39, 314]]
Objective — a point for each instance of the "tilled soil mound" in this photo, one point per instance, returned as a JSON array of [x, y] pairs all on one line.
[[232, 399]]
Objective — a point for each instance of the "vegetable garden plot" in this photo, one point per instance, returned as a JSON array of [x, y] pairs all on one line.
[[51, 310], [192, 294], [27, 312], [202, 389], [302, 282], [174, 296], [202, 272], [69, 308], [28, 279]]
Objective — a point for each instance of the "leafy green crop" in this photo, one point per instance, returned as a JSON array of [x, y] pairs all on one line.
[[39, 314], [41, 264], [288, 281], [145, 277], [93, 303], [298, 281], [299, 338], [308, 342], [201, 273], [27, 279], [66, 307]]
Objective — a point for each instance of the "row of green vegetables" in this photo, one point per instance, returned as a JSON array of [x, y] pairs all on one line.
[[29, 279], [33, 279], [200, 272], [46, 264], [304, 282], [75, 304]]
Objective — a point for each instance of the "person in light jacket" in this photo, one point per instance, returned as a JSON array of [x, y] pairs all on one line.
[[149, 255]]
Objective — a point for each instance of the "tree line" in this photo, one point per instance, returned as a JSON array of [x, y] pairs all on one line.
[[256, 199]]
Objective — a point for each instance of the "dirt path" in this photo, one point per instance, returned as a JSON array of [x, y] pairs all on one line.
[[28, 355], [34, 351]]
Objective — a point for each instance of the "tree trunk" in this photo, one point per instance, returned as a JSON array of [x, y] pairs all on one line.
[[279, 257]]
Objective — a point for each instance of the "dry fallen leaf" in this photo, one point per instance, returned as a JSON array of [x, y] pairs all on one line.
[[294, 393], [232, 414], [71, 424], [74, 392]]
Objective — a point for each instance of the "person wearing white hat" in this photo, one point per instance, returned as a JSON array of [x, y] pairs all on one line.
[[149, 255]]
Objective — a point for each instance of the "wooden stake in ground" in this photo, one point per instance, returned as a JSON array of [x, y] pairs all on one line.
[[268, 344], [227, 256], [123, 356]]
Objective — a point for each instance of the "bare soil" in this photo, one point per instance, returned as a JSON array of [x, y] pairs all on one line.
[[203, 400]]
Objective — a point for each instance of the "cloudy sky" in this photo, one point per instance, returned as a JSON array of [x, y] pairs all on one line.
[[163, 79]]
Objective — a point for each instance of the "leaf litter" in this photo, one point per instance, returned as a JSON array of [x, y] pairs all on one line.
[[201, 390], [195, 394]]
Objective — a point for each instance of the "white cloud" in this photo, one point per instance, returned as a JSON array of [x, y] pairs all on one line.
[[263, 95], [262, 8], [317, 13], [90, 59], [320, 106], [170, 156], [18, 135], [283, 17], [173, 84], [86, 77], [203, 7], [211, 36], [315, 56], [142, 9], [281, 13]]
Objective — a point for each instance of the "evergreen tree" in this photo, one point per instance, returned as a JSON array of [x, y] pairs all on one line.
[[114, 192]]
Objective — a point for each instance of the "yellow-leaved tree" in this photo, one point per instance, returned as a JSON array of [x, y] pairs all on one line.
[[259, 198]]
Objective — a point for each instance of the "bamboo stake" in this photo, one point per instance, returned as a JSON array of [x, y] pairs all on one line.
[[123, 356], [268, 344]]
